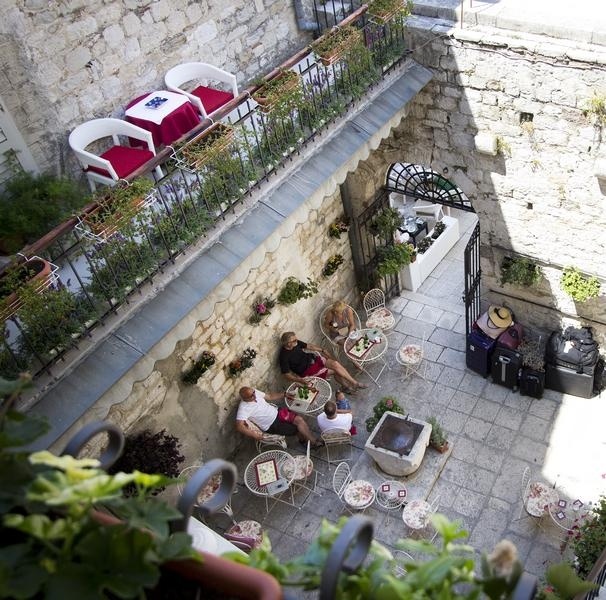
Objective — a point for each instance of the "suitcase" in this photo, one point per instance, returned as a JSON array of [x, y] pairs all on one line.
[[568, 381], [511, 337], [478, 352], [506, 365], [532, 383]]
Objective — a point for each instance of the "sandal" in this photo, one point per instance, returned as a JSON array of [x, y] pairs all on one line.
[[361, 386], [347, 390]]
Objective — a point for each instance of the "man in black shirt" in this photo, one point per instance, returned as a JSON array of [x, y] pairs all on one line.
[[296, 364]]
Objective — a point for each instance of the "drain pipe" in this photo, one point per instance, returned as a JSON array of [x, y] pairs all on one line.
[[302, 23]]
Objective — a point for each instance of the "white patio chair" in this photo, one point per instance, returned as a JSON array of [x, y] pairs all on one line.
[[206, 99], [334, 438], [325, 332], [416, 516], [355, 494], [304, 470], [268, 439], [377, 315], [118, 161], [400, 556]]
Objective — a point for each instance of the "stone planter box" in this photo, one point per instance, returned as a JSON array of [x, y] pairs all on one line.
[[414, 274]]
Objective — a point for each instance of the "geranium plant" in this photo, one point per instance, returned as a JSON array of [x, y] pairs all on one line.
[[332, 264], [294, 290], [388, 403], [245, 361], [206, 360], [336, 228], [261, 308]]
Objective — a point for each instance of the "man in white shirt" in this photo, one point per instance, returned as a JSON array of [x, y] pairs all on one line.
[[332, 418], [254, 407]]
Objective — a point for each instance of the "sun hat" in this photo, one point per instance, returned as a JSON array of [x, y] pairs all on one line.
[[500, 316]]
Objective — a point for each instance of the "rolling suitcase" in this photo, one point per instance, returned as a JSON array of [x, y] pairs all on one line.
[[511, 337], [532, 383], [506, 365], [478, 352], [568, 381]]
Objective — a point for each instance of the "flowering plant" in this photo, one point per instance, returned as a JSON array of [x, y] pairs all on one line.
[[389, 403], [245, 361], [261, 308], [338, 227], [206, 360], [332, 264]]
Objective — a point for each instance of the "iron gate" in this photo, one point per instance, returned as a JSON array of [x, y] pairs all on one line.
[[473, 274]]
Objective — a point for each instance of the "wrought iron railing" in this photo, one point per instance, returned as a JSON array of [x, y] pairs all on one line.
[[99, 273]]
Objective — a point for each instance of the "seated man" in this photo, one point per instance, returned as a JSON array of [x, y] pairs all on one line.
[[255, 408], [296, 364], [334, 418]]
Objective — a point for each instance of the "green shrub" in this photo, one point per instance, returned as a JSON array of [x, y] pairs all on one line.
[[578, 286], [520, 271], [393, 258], [589, 538], [294, 290], [388, 403]]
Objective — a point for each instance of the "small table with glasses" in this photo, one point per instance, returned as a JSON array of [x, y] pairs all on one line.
[[421, 226], [308, 399], [391, 494], [364, 346], [270, 475]]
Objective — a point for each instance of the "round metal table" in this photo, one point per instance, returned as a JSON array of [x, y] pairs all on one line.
[[319, 392]]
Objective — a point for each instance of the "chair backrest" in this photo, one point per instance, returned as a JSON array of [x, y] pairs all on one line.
[[268, 439], [373, 299], [432, 210], [336, 437], [341, 479], [91, 131], [525, 482], [176, 77]]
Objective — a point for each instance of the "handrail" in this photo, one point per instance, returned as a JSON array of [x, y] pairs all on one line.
[[597, 572]]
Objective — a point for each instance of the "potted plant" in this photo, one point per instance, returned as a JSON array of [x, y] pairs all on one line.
[[196, 153], [588, 538], [388, 403], [521, 271], [205, 361], [393, 258], [424, 245], [31, 205], [35, 274], [261, 308], [437, 439], [438, 230], [337, 43], [294, 290], [385, 223], [336, 228], [245, 361], [532, 377], [282, 92], [578, 286], [383, 11], [116, 206], [332, 264]]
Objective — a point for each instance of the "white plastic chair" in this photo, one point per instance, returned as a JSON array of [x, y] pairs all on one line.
[[332, 439], [206, 99], [118, 161], [268, 439], [343, 485], [325, 332], [376, 312]]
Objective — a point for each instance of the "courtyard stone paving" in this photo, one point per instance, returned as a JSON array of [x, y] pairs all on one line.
[[494, 433]]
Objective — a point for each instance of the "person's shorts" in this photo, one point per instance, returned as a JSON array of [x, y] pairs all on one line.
[[282, 428], [317, 368]]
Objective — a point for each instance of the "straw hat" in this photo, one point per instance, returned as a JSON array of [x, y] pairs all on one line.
[[500, 316]]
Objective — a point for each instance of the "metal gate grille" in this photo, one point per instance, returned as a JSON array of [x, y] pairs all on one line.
[[369, 245], [473, 274]]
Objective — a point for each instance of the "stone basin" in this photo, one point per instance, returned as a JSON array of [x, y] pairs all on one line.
[[398, 443]]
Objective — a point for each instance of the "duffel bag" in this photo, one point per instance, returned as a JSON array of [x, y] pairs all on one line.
[[574, 348]]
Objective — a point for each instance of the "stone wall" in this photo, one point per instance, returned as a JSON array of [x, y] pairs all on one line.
[[62, 63], [537, 197], [202, 415]]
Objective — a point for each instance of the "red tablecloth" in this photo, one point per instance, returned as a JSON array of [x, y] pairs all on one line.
[[177, 123]]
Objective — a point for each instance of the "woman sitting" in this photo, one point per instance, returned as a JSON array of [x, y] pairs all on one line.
[[339, 322]]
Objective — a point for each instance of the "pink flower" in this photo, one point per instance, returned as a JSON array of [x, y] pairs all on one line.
[[261, 308], [389, 403]]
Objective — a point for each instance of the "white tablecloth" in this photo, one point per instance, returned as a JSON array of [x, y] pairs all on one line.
[[140, 111]]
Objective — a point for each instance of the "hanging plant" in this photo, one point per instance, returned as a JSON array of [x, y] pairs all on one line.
[[383, 11], [385, 223], [196, 153], [283, 93], [245, 361], [207, 359], [520, 271], [336, 228], [337, 43], [332, 264], [393, 258], [295, 290], [261, 308], [578, 286]]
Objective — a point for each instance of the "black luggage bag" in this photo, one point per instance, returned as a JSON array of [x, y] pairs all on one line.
[[532, 383], [574, 349], [506, 365], [478, 352], [568, 381]]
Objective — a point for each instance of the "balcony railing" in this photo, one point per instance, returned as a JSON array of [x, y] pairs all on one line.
[[100, 272]]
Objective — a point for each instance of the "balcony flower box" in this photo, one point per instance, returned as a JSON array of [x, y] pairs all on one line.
[[384, 11], [35, 272], [198, 152], [283, 89], [339, 41]]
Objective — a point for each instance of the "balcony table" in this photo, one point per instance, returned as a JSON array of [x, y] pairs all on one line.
[[324, 394], [374, 353], [169, 121]]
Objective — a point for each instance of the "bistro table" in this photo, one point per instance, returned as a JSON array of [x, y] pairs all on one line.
[[167, 121], [568, 515], [391, 494], [270, 475], [364, 346], [318, 393]]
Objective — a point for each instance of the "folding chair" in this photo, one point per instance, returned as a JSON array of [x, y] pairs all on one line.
[[334, 438]]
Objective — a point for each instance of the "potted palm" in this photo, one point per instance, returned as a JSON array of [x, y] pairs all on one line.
[[337, 43]]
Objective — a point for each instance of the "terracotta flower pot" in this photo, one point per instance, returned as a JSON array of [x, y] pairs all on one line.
[[270, 93], [200, 150], [441, 449]]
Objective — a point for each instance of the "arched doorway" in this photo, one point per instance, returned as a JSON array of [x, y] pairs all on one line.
[[418, 182]]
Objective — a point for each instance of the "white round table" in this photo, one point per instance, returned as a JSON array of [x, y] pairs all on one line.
[[364, 346], [318, 393]]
